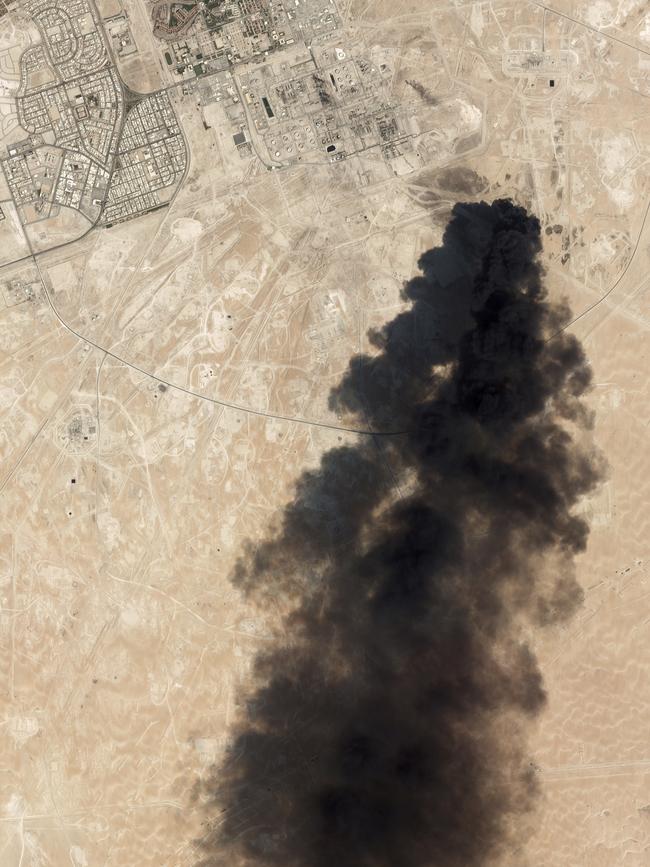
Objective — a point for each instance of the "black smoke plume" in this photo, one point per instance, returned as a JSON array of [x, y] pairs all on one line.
[[386, 723]]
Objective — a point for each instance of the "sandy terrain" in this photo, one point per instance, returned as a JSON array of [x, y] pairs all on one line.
[[165, 381]]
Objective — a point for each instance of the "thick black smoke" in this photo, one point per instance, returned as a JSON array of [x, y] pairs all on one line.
[[386, 724]]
